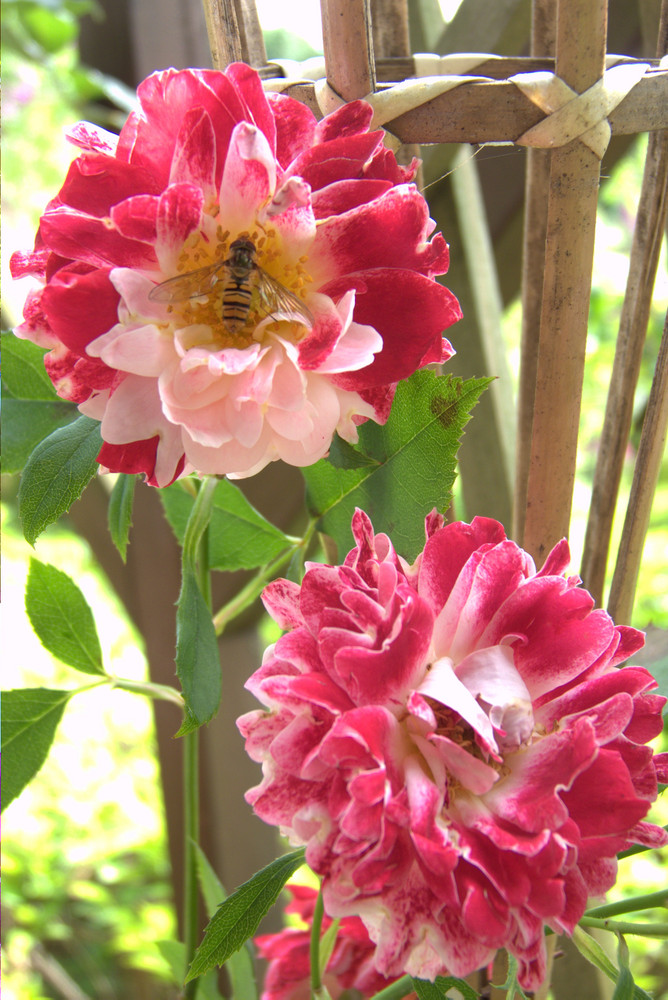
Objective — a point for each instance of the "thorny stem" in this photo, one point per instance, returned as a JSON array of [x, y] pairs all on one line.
[[191, 828], [159, 691], [645, 902], [199, 548], [626, 927]]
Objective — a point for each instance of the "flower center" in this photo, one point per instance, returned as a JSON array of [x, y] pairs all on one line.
[[226, 286]]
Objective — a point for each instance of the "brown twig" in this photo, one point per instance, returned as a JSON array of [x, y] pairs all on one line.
[[645, 477], [643, 264]]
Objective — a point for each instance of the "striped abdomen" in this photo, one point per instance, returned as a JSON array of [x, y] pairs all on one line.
[[236, 301]]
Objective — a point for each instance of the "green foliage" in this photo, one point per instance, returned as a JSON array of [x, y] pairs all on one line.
[[594, 953], [174, 953], [438, 990], [240, 964], [39, 28], [211, 886], [239, 537], [50, 30], [44, 34], [282, 44], [92, 914], [30, 717], [625, 988], [23, 373], [120, 512], [239, 916], [197, 657], [511, 984], [85, 870], [62, 619], [412, 467], [30, 407], [57, 473]]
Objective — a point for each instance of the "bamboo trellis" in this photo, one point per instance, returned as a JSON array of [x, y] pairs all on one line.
[[564, 102]]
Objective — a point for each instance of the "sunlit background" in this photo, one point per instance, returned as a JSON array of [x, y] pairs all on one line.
[[86, 877]]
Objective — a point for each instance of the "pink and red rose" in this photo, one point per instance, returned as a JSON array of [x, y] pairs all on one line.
[[455, 744], [206, 159], [350, 966]]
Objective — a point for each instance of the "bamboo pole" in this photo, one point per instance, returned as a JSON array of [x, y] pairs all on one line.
[[391, 38], [643, 264], [348, 47], [234, 32], [574, 179], [645, 477], [543, 30]]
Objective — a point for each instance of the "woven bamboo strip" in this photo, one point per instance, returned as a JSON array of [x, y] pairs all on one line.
[[496, 111], [574, 179], [348, 46], [645, 477], [543, 29], [647, 238]]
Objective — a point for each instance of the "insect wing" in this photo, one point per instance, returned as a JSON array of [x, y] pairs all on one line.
[[188, 285], [275, 297]]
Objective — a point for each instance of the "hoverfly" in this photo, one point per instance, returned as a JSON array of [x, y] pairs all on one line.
[[241, 276]]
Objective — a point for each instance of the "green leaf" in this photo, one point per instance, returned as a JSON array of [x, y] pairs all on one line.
[[414, 456], [439, 989], [342, 455], [23, 373], [174, 954], [625, 988], [211, 886], [594, 953], [327, 942], [62, 619], [30, 407], [25, 423], [240, 964], [197, 656], [51, 31], [239, 916], [57, 473], [30, 717], [91, 85], [120, 511], [511, 985], [240, 538]]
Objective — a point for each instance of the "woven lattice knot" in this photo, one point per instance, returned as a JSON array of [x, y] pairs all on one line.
[[569, 115], [576, 116]]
